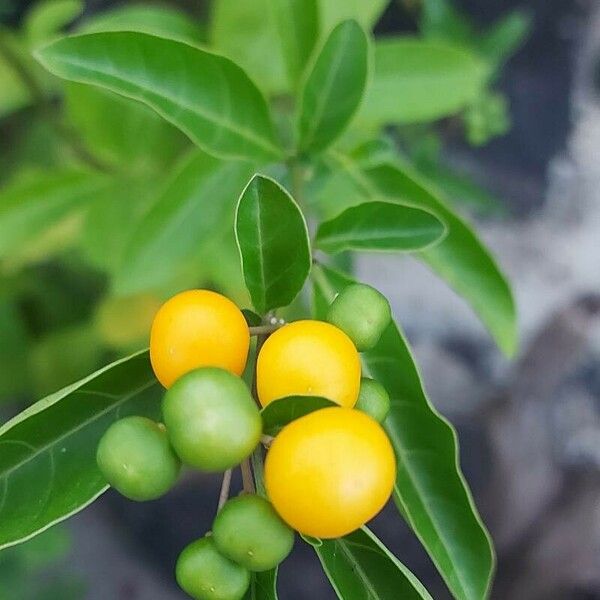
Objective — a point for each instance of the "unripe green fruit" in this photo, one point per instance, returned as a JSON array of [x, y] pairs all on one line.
[[212, 420], [205, 574], [249, 531], [373, 399], [136, 458], [362, 313]]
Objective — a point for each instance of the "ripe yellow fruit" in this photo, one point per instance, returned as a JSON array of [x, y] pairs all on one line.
[[330, 472], [198, 328], [308, 358]]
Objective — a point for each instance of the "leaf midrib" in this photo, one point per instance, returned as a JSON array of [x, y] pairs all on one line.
[[438, 530], [348, 237], [261, 254], [359, 570]]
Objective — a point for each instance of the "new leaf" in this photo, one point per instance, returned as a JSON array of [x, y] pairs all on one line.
[[273, 241], [382, 226], [334, 87]]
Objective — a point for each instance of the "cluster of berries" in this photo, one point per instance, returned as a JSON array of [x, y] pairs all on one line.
[[326, 473]]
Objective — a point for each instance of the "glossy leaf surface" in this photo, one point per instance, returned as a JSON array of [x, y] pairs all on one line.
[[382, 226], [334, 87], [207, 96], [273, 241], [461, 259], [359, 566], [48, 461], [278, 414], [430, 489]]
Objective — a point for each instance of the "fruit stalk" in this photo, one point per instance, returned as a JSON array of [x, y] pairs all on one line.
[[261, 330], [225, 486], [256, 458]]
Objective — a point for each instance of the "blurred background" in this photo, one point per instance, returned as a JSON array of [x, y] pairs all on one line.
[[523, 161]]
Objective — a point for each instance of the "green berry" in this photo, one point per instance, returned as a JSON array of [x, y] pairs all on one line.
[[135, 457], [205, 574], [212, 419], [249, 531], [373, 399], [362, 313]]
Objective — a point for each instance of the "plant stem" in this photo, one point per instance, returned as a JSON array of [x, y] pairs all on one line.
[[225, 486], [247, 479], [258, 467], [257, 456], [266, 440], [265, 329], [39, 98]]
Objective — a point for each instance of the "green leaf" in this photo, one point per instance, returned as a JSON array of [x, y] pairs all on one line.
[[462, 191], [155, 20], [272, 238], [111, 219], [14, 94], [14, 349], [263, 586], [419, 81], [383, 226], [47, 18], [359, 566], [48, 461], [253, 319], [32, 205], [270, 39], [461, 258], [122, 132], [247, 33], [278, 414], [297, 24], [367, 13], [334, 87], [207, 96], [430, 489], [441, 20], [197, 203], [504, 37]]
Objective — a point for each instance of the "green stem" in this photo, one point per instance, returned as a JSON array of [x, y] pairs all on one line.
[[265, 329], [247, 481], [257, 456], [29, 81], [258, 467], [225, 487]]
